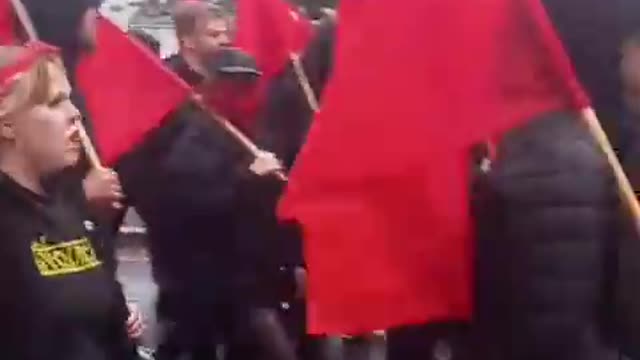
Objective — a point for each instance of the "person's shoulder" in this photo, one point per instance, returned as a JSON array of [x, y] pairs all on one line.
[[12, 205], [179, 66], [552, 144], [14, 227]]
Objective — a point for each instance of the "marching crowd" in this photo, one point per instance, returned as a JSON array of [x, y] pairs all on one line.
[[551, 233]]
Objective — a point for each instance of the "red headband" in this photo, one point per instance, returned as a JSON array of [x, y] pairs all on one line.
[[34, 51]]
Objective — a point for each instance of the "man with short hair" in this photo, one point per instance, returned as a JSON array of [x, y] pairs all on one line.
[[209, 241], [224, 76], [201, 30]]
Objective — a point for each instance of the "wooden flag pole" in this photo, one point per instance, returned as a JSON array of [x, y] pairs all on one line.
[[229, 127], [87, 144], [235, 132], [25, 19], [303, 80], [27, 25], [89, 148], [624, 186]]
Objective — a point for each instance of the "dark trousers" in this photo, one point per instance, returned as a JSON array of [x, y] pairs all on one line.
[[447, 341], [179, 343], [202, 331]]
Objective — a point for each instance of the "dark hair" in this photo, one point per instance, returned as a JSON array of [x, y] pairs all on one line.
[[58, 25], [146, 39]]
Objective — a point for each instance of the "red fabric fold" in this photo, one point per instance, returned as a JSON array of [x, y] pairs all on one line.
[[128, 91], [381, 186], [270, 30]]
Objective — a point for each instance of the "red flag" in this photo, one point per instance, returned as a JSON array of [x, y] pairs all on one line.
[[270, 30], [128, 91], [239, 102], [7, 23], [381, 187]]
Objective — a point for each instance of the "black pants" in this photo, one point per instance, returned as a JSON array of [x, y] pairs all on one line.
[[447, 341], [202, 346], [201, 327], [200, 330]]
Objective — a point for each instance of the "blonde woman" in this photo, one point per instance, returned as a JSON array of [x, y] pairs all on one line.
[[58, 301]]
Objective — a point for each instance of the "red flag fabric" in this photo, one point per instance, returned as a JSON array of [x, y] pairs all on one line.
[[239, 102], [270, 30], [381, 186], [7, 23], [128, 91]]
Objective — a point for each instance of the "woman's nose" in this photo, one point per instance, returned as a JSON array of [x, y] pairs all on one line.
[[74, 132]]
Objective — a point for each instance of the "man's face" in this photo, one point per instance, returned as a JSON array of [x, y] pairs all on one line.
[[630, 69], [211, 35]]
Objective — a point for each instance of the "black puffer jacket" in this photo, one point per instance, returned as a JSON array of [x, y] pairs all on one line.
[[547, 216]]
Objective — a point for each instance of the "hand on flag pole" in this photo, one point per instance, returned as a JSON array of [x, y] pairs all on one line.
[[102, 190], [265, 163]]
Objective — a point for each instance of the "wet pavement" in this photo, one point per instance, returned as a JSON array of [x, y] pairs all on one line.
[[134, 272]]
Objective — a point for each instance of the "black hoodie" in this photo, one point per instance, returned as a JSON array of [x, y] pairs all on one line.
[[58, 301]]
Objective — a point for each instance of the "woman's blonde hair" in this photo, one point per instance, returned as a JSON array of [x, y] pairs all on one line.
[[31, 87]]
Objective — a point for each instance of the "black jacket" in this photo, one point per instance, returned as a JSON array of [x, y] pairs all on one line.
[[190, 182], [60, 300], [548, 233], [286, 119]]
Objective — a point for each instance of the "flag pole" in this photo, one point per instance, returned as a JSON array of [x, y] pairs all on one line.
[[27, 25], [87, 144], [303, 80], [624, 186], [25, 20], [89, 148], [235, 132], [226, 124]]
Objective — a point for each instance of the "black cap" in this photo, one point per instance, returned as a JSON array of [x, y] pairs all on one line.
[[234, 62]]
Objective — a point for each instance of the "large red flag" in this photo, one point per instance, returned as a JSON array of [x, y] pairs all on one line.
[[381, 187], [128, 91], [270, 30]]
